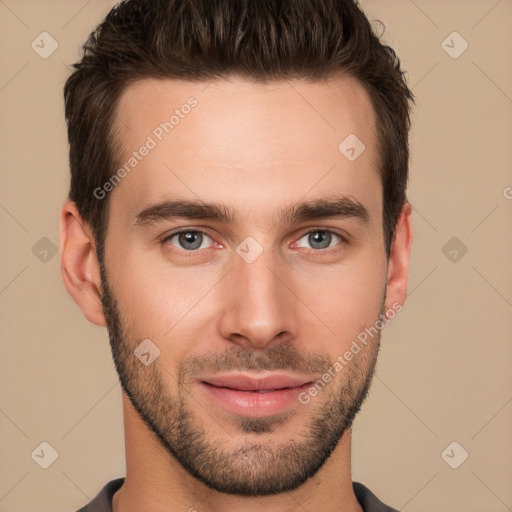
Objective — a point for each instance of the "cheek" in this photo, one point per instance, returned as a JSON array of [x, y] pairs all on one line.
[[157, 301], [347, 299]]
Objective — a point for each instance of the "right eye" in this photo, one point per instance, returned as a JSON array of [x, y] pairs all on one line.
[[188, 239]]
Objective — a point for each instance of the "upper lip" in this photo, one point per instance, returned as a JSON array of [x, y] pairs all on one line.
[[244, 382]]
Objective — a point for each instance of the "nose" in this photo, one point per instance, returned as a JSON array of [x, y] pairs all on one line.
[[258, 306]]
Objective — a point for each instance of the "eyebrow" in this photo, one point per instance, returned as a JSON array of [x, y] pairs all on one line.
[[330, 207]]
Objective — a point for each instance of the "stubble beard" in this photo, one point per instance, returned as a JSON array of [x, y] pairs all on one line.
[[250, 464]]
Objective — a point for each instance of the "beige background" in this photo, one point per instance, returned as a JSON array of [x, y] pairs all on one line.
[[445, 367]]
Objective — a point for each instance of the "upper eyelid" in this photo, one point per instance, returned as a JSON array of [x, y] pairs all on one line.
[[321, 229], [170, 236]]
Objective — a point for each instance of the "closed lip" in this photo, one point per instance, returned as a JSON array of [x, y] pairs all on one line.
[[244, 382]]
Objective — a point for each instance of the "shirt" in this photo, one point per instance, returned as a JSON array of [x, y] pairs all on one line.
[[103, 500]]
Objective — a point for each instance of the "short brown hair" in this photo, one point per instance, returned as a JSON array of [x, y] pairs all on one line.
[[201, 40]]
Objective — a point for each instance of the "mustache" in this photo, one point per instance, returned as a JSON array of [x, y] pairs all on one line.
[[285, 357]]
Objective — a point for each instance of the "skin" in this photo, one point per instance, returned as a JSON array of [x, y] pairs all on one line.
[[254, 148]]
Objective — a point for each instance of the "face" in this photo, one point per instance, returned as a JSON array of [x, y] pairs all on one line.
[[249, 250]]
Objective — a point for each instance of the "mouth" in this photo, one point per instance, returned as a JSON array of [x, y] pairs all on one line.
[[245, 395]]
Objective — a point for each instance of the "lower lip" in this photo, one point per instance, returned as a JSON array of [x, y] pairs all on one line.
[[249, 403]]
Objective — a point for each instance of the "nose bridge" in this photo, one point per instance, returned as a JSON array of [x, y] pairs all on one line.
[[258, 307]]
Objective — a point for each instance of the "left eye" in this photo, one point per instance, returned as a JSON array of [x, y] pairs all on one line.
[[320, 239], [189, 240]]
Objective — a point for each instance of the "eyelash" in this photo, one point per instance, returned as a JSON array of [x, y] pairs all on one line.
[[313, 252]]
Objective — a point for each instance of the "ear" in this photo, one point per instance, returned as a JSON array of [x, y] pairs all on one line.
[[79, 265], [398, 263]]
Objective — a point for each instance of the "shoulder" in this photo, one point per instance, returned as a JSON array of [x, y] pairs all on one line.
[[103, 500], [368, 500]]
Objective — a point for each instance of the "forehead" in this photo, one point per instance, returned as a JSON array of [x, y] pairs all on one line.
[[246, 144]]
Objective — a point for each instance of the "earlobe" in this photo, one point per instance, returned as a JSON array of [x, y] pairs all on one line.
[[79, 264], [398, 264]]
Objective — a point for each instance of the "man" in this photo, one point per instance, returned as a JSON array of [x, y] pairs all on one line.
[[238, 221]]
